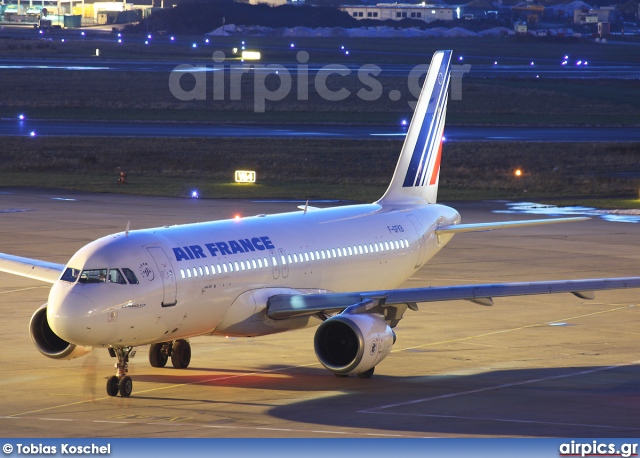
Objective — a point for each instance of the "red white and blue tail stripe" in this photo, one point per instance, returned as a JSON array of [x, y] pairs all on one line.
[[417, 173]]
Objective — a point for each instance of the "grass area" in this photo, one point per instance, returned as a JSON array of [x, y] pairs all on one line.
[[310, 168], [145, 96], [513, 50]]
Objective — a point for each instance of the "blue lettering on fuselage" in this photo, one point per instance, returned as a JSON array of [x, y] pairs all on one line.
[[186, 253]]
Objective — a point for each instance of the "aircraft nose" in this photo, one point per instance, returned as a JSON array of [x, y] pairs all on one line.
[[70, 316]]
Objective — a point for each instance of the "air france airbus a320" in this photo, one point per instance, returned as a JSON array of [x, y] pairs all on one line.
[[335, 267]]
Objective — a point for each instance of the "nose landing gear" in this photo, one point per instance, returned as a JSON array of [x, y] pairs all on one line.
[[121, 382], [179, 351]]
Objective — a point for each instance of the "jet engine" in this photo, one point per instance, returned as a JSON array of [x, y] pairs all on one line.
[[353, 343], [48, 343]]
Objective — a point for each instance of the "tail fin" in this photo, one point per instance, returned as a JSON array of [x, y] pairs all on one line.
[[418, 171]]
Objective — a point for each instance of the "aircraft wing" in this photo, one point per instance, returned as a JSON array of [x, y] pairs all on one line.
[[475, 227], [32, 268], [285, 306]]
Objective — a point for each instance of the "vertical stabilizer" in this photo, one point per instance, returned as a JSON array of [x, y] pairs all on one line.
[[418, 170]]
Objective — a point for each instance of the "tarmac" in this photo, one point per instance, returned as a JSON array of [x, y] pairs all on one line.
[[536, 366]]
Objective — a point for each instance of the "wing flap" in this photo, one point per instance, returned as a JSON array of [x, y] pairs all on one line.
[[287, 306], [31, 268], [476, 227]]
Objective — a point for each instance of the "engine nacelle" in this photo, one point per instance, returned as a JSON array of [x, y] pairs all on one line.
[[48, 343], [351, 344]]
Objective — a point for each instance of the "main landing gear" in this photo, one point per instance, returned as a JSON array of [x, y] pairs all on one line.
[[179, 351]]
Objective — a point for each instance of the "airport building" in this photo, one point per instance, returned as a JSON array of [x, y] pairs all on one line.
[[73, 13], [398, 11], [594, 16]]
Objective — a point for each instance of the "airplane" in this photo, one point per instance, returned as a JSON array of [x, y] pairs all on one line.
[[336, 268]]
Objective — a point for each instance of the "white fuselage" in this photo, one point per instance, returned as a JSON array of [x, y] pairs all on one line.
[[206, 278]]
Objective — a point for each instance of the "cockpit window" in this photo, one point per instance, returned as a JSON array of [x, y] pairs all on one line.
[[70, 275], [93, 276], [116, 277], [131, 277]]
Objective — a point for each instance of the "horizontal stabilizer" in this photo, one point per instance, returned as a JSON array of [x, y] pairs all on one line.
[[31, 268], [478, 227]]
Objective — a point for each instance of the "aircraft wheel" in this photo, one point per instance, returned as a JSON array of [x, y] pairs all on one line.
[[125, 386], [181, 354], [367, 374], [158, 357], [112, 386]]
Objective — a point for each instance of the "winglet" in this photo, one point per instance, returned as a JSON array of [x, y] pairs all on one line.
[[418, 170]]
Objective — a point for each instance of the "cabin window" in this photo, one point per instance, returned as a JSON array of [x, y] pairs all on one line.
[[70, 275], [206, 270], [242, 265], [344, 251], [282, 260], [230, 267], [266, 263], [295, 257], [188, 273], [182, 273], [312, 257], [350, 252], [213, 269], [386, 245], [218, 267], [237, 266], [274, 261], [289, 258], [260, 263], [406, 242], [306, 257], [201, 271], [224, 266], [195, 272], [397, 245]]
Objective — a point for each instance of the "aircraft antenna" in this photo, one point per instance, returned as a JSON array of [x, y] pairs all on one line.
[[126, 231], [306, 206]]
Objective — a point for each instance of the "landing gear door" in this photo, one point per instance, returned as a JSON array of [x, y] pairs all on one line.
[[170, 288], [418, 227]]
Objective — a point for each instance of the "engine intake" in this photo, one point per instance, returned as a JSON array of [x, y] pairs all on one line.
[[353, 344], [48, 343]]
